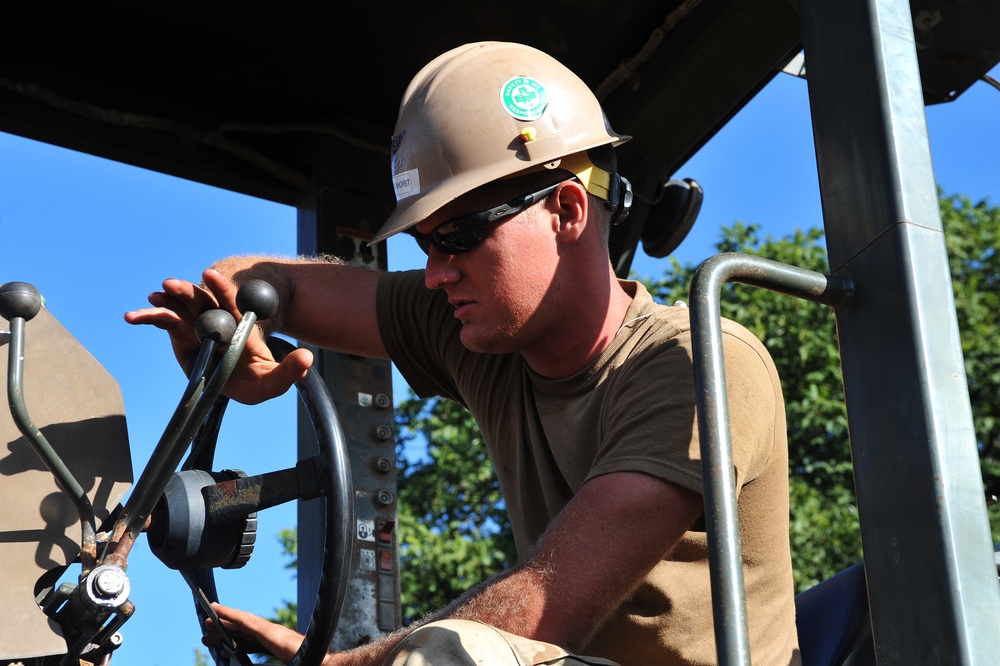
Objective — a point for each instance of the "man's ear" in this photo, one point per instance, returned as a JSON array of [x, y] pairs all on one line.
[[571, 204]]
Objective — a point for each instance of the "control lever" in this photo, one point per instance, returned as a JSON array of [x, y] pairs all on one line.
[[18, 300], [19, 303], [257, 300]]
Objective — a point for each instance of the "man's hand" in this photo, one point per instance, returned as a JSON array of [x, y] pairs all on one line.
[[254, 633], [257, 377]]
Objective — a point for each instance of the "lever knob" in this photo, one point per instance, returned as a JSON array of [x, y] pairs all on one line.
[[19, 299], [258, 297], [216, 325]]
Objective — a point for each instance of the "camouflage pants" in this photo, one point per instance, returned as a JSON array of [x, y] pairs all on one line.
[[465, 643]]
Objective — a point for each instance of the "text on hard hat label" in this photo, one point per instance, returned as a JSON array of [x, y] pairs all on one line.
[[406, 184], [524, 98]]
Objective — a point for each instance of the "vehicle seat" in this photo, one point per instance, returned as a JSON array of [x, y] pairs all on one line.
[[833, 621]]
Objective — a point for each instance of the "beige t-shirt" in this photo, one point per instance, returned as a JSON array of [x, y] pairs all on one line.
[[632, 409]]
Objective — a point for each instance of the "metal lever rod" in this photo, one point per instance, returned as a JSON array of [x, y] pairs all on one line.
[[187, 418], [16, 294], [256, 300], [228, 645]]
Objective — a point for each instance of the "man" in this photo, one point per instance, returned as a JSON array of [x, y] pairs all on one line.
[[504, 172]]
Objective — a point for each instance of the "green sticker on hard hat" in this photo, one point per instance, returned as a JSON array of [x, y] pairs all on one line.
[[524, 98]]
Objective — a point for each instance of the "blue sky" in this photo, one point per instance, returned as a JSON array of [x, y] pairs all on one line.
[[96, 237]]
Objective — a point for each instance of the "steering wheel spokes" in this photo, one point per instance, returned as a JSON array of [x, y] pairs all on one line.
[[231, 499], [222, 507]]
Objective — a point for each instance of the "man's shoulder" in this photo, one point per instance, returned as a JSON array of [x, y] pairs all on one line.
[[669, 327], [676, 319]]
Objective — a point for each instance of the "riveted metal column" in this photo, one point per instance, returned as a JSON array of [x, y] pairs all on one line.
[[340, 223], [931, 576]]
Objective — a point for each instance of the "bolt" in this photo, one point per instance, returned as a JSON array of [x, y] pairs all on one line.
[[110, 582], [116, 639], [384, 497], [383, 465], [383, 433], [382, 401]]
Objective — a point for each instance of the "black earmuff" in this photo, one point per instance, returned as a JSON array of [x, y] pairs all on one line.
[[619, 198]]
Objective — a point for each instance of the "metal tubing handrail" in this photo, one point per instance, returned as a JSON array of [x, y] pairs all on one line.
[[721, 517]]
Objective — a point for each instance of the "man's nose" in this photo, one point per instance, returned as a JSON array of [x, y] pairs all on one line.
[[441, 269]]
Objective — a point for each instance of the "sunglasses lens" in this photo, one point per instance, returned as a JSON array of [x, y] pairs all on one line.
[[464, 233], [457, 236]]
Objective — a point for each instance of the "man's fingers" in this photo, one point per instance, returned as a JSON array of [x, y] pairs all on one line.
[[222, 289], [158, 317], [280, 641], [189, 300], [256, 377], [182, 308], [186, 300], [196, 298], [294, 366], [264, 379]]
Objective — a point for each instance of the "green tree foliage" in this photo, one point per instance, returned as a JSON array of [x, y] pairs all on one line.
[[453, 524], [288, 614], [972, 232]]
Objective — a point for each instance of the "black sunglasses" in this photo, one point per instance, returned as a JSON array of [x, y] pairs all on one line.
[[461, 234]]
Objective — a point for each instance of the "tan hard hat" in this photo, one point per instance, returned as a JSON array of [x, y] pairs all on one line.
[[482, 112]]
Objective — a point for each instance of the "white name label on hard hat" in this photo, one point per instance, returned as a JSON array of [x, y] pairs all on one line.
[[524, 98], [406, 184]]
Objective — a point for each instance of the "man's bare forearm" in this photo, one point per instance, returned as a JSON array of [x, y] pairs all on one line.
[[276, 271], [322, 301], [511, 602]]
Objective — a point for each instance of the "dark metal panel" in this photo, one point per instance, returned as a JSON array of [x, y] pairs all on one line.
[[956, 44], [338, 221], [931, 576], [708, 66], [271, 79]]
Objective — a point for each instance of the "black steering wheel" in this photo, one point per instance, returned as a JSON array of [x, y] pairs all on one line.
[[207, 519]]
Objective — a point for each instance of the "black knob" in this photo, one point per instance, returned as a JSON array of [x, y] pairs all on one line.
[[19, 299], [216, 325], [258, 297]]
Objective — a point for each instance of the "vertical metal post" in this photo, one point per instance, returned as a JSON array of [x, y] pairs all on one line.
[[931, 575], [336, 222]]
